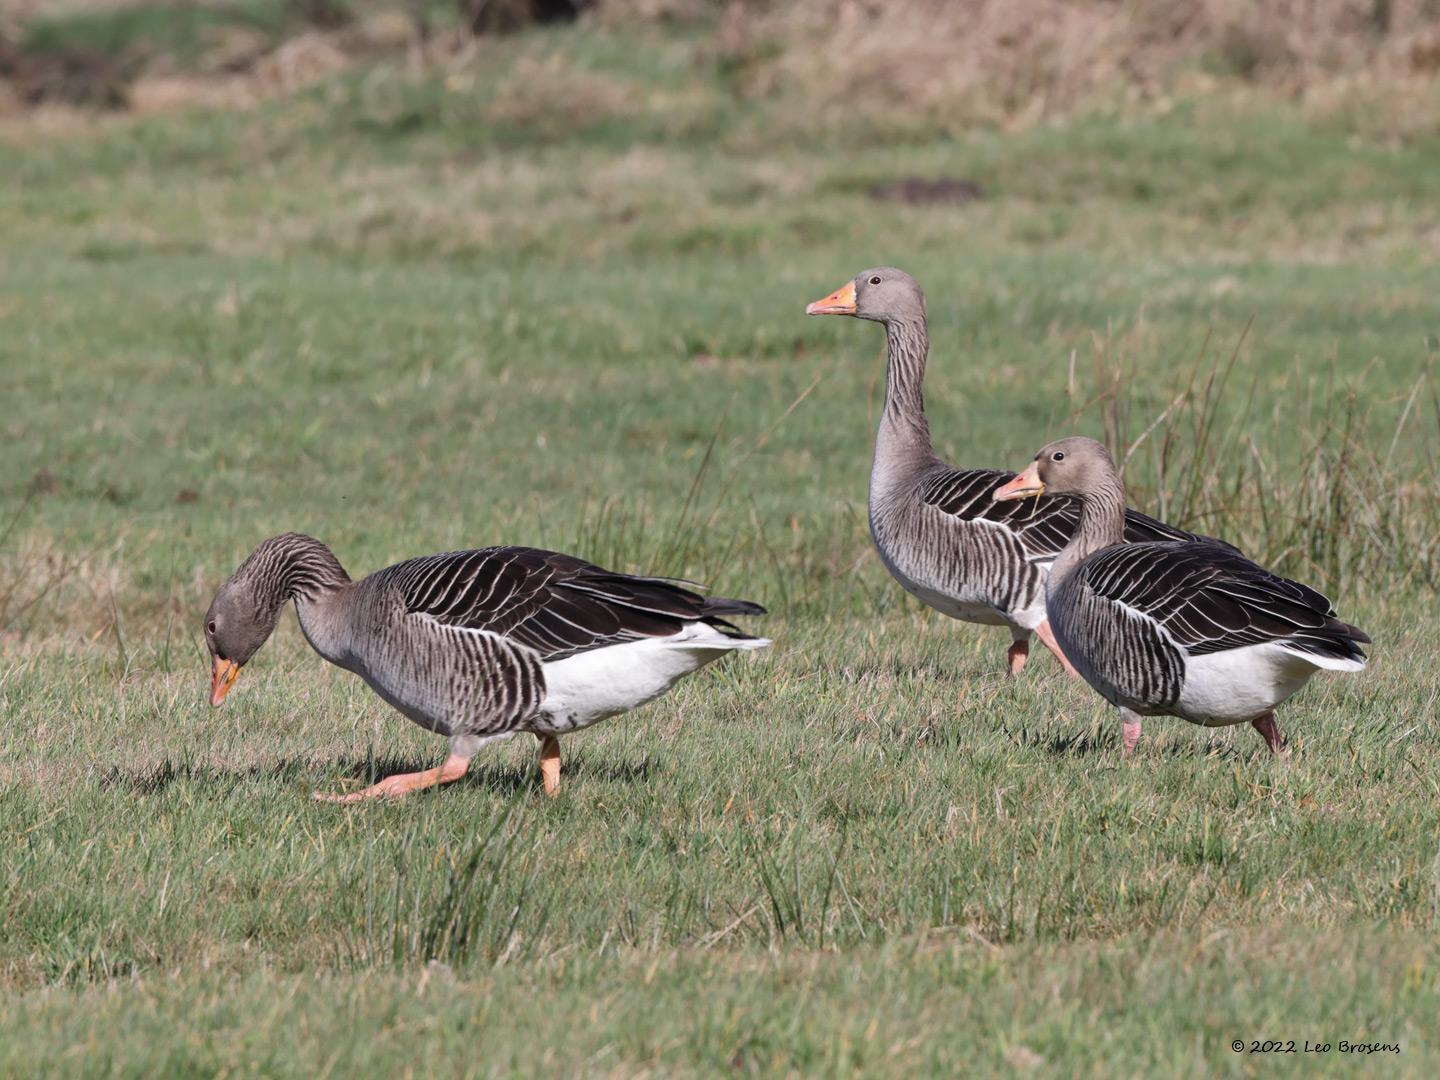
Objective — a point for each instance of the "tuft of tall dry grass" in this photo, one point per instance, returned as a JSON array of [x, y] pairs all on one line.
[[558, 94], [897, 64], [1013, 62], [1325, 488], [47, 592]]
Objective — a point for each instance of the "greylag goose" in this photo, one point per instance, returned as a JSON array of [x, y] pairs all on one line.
[[477, 645], [1176, 628], [938, 531]]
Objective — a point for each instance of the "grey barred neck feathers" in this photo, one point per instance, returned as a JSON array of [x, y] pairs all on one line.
[[907, 349], [291, 566], [892, 297], [246, 608]]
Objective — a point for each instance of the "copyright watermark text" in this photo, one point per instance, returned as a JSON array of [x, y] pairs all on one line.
[[1305, 1046]]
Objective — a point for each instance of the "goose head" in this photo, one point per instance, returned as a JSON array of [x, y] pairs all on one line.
[[239, 621], [1073, 466], [881, 295]]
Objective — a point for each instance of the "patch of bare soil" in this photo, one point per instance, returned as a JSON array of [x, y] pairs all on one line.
[[74, 76], [917, 191]]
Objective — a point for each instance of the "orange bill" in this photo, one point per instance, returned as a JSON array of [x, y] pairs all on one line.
[[222, 676], [839, 302], [1024, 486]]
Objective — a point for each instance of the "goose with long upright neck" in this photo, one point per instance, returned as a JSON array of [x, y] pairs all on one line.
[[936, 528], [477, 645], [1176, 628]]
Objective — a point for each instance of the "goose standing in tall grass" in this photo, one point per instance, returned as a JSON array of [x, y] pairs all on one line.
[[936, 528], [477, 645], [1176, 628]]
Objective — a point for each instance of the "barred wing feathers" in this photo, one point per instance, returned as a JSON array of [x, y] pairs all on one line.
[[556, 604], [1210, 599], [1043, 526]]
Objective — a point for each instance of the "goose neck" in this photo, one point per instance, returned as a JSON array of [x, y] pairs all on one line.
[[300, 568], [325, 622], [903, 427], [308, 573], [296, 567], [1101, 525]]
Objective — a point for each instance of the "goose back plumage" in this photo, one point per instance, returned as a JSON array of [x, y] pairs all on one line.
[[556, 605], [950, 543], [1137, 616], [475, 643]]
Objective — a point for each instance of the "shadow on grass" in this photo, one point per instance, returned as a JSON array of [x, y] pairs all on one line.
[[505, 780], [502, 779], [153, 780], [1088, 743]]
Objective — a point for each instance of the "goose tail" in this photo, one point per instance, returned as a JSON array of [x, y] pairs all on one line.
[[715, 610]]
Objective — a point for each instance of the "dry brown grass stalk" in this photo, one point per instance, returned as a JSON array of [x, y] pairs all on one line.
[[1017, 61], [1318, 492]]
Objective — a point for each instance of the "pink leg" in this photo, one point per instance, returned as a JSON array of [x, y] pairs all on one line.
[[1017, 654], [1270, 731], [1043, 633], [1129, 732], [404, 783], [549, 763]]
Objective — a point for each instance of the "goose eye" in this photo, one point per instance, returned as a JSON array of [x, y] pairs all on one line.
[[1058, 455], [875, 280], [210, 627]]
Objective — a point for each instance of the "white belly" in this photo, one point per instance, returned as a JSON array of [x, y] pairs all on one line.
[[594, 685], [1238, 685]]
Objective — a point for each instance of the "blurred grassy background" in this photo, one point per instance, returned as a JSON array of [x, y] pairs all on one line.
[[353, 269]]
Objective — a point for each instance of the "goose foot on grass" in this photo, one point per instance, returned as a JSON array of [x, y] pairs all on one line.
[[401, 784], [1017, 654], [549, 763]]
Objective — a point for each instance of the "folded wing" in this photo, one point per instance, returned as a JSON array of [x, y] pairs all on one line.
[[1042, 526], [555, 604], [1209, 598]]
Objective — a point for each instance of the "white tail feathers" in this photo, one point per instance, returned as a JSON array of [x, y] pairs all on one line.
[[700, 635], [1328, 663], [730, 643]]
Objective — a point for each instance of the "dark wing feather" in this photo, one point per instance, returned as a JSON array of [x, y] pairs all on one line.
[[1210, 598], [1043, 526], [556, 604], [1144, 529]]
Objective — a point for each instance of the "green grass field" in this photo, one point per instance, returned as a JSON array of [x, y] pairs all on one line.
[[554, 297]]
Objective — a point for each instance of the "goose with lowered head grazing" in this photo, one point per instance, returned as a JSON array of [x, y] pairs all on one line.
[[477, 645], [936, 528], [1193, 630]]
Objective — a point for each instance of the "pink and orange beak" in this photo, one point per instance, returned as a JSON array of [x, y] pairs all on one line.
[[1024, 486], [839, 302], [223, 674]]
